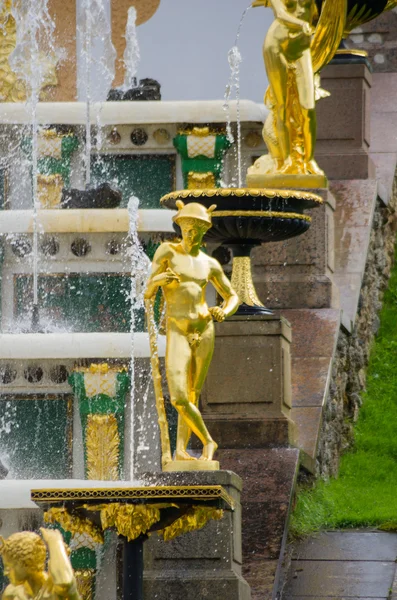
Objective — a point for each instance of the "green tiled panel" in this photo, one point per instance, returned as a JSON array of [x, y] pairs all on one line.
[[35, 436], [80, 303], [148, 177]]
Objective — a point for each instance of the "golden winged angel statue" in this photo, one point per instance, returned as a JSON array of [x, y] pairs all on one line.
[[299, 43]]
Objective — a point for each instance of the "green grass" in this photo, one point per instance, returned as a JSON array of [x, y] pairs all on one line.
[[365, 493]]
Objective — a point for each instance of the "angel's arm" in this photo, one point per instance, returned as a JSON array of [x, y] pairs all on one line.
[[282, 14]]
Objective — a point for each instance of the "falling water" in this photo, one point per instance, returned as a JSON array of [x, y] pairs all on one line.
[[98, 52], [34, 43], [132, 55], [140, 266], [235, 59]]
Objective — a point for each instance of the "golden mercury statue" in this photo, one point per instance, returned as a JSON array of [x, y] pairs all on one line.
[[24, 557], [183, 271], [293, 56]]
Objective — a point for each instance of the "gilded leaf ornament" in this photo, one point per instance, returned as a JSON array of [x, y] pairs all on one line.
[[195, 518], [12, 88], [130, 520], [73, 523], [102, 443], [85, 583]]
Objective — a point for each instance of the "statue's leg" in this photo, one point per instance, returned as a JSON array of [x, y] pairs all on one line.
[[201, 361], [277, 72], [178, 367], [305, 85], [182, 439]]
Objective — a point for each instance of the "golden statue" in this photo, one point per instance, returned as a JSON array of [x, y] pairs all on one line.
[[183, 271], [24, 557], [293, 57]]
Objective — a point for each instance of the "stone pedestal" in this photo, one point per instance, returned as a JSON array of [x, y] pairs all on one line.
[[201, 564], [246, 400], [343, 135], [298, 273]]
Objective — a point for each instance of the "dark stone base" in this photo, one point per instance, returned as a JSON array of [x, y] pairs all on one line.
[[243, 433], [339, 165], [177, 585], [203, 563], [296, 291]]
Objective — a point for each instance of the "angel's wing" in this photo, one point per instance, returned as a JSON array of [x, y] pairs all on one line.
[[329, 32]]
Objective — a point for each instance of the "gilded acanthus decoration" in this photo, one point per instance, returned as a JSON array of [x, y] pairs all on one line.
[[200, 181], [12, 88], [102, 448], [195, 518], [73, 523], [130, 520], [85, 583]]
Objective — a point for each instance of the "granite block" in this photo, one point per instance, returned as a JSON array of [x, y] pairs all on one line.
[[206, 559], [246, 399], [354, 202], [309, 380], [269, 478], [308, 422], [384, 92], [314, 331], [384, 132]]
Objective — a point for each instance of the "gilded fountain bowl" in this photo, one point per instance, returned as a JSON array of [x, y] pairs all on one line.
[[251, 216]]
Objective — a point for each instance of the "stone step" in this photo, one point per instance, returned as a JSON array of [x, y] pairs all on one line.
[[344, 565], [348, 546], [269, 477], [333, 579]]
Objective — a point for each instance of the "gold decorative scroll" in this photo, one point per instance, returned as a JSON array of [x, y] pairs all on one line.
[[73, 523], [102, 443], [130, 520], [200, 181], [196, 518], [49, 190], [12, 88], [85, 583]]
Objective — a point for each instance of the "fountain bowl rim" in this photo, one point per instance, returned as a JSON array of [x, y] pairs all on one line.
[[270, 193]]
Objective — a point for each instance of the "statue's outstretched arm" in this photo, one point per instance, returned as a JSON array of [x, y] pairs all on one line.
[[224, 289], [59, 567]]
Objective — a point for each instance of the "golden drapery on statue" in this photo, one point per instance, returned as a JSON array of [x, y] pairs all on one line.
[[183, 271], [299, 43], [24, 557]]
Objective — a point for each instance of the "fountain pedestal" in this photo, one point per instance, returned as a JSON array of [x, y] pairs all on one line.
[[246, 399], [204, 506], [201, 564], [299, 272]]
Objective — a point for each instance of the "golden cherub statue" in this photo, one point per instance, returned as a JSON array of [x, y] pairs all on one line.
[[24, 557], [292, 58], [183, 271]]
